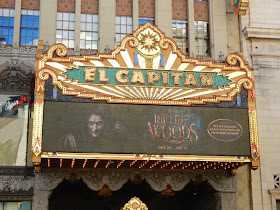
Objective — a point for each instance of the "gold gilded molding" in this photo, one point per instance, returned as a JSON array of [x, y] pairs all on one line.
[[60, 50], [37, 128], [135, 204], [253, 127]]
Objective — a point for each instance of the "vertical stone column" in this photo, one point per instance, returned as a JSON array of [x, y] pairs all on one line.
[[233, 36], [163, 16], [228, 200], [191, 32], [41, 199], [41, 194], [44, 184], [243, 193], [218, 28], [16, 35], [107, 14], [135, 14], [48, 10], [256, 190], [78, 7]]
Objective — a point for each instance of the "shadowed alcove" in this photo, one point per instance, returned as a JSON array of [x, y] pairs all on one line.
[[75, 195]]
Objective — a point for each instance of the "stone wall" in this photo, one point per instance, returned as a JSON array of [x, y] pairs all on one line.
[[260, 39]]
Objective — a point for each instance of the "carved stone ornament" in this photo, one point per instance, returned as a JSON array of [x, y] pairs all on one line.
[[16, 182], [5, 49], [135, 204], [15, 79], [16, 186], [49, 179], [115, 179]]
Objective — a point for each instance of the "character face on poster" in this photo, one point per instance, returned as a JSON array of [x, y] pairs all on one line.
[[93, 129], [95, 125], [93, 132], [142, 129]]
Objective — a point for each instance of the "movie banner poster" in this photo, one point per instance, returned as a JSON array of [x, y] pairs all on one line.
[[144, 129], [13, 129]]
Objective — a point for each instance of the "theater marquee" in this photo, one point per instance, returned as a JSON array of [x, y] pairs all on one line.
[[145, 98]]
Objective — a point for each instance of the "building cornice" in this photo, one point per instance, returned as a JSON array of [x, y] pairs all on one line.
[[27, 51], [261, 33]]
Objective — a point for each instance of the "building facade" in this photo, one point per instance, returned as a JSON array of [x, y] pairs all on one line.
[[206, 30], [260, 44]]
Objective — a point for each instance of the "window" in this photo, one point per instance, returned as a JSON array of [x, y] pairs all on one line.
[[65, 29], [7, 26], [20, 205], [142, 21], [179, 28], [89, 31], [123, 27], [202, 38], [29, 27]]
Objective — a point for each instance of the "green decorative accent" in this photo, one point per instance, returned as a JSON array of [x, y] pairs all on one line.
[[236, 3], [79, 74]]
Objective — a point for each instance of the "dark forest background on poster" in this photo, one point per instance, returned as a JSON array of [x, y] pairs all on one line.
[[144, 129]]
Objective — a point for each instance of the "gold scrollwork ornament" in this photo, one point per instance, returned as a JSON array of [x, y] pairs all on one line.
[[135, 204]]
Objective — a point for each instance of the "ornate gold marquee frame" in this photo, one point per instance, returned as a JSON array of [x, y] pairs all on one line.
[[151, 48]]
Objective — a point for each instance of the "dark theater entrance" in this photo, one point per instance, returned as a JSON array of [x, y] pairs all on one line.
[[75, 195]]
